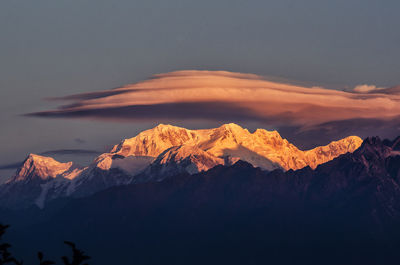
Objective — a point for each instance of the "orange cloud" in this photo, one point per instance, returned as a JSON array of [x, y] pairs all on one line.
[[256, 97]]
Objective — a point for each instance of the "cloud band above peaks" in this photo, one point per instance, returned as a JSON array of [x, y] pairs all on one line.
[[222, 96]]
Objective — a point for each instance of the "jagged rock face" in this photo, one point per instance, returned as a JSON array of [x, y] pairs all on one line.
[[395, 144], [40, 167], [323, 154], [154, 141], [38, 179], [347, 205], [367, 179], [180, 159], [265, 149], [165, 151]]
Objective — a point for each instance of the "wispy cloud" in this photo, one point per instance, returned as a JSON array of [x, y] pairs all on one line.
[[222, 96], [70, 152], [11, 166], [367, 88]]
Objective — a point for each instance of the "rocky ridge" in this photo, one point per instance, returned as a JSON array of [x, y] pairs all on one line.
[[161, 152]]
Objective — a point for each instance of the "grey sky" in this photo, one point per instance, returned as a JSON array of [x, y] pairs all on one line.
[[55, 48]]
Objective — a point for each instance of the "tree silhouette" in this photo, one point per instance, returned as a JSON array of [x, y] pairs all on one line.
[[78, 256], [44, 262], [5, 255]]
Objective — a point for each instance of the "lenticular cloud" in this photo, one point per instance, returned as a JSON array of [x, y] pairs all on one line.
[[221, 96]]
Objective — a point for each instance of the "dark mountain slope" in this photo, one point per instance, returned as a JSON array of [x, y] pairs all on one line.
[[347, 211]]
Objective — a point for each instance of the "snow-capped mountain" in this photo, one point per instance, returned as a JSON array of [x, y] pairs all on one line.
[[349, 205], [160, 152], [29, 182], [41, 168], [179, 159], [230, 142]]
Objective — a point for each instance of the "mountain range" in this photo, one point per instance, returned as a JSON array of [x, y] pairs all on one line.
[[344, 211], [159, 153]]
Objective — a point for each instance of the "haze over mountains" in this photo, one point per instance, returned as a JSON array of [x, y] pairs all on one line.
[[158, 153]]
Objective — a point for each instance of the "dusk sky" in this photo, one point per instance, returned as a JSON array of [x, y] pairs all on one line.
[[313, 70]]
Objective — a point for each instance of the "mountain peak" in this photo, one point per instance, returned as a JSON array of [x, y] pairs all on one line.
[[40, 160], [154, 141], [166, 150], [242, 164], [323, 154], [374, 146], [40, 167], [373, 140], [35, 157], [230, 142], [231, 126], [163, 127], [223, 145], [266, 133]]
